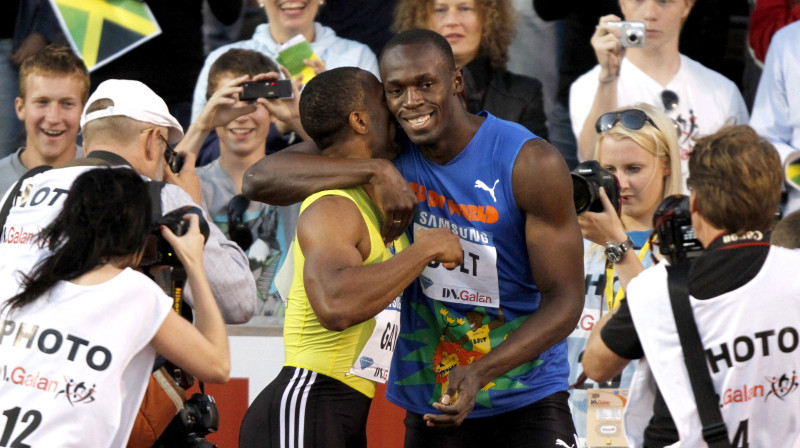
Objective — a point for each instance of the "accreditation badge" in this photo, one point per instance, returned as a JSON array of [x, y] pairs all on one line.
[[604, 417], [375, 358]]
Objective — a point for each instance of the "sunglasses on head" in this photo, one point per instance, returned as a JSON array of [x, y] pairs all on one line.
[[633, 119]]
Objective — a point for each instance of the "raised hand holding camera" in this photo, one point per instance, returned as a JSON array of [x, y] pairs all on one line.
[[189, 245], [602, 227], [224, 106], [607, 48], [285, 108], [588, 178]]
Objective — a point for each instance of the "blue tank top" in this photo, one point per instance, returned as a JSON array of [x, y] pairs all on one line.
[[455, 317]]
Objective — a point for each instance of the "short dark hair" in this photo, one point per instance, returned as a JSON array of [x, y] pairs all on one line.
[[328, 99], [55, 60], [419, 36], [106, 215], [238, 62], [787, 231], [737, 177]]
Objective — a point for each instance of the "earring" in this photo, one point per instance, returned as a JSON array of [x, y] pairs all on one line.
[[321, 2], [261, 5]]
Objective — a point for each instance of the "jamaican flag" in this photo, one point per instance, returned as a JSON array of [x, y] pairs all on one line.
[[102, 30]]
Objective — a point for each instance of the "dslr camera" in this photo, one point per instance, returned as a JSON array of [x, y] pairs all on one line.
[[157, 251], [587, 178], [672, 223], [632, 34], [198, 418]]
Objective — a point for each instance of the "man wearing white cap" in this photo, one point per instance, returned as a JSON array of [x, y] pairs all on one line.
[[127, 124]]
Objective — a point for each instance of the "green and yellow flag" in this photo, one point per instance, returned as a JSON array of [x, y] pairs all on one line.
[[793, 171], [102, 30]]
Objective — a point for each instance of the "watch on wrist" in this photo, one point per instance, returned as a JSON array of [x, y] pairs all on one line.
[[615, 251]]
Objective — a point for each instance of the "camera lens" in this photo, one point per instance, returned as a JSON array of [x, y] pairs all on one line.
[[581, 194], [633, 37]]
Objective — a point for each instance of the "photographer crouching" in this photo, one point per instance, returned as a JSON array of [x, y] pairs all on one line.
[[728, 359]]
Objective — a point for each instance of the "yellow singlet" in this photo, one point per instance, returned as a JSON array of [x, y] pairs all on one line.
[[307, 344]]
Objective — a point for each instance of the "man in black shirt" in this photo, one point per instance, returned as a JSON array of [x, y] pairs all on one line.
[[735, 180]]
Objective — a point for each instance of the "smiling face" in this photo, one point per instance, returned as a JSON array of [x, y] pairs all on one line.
[[288, 18], [641, 177], [421, 88], [246, 134], [663, 18], [460, 23], [51, 111]]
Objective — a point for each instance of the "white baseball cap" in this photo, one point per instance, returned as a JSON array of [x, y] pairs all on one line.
[[134, 100]]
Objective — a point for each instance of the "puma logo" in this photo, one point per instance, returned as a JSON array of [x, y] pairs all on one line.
[[483, 186], [560, 442]]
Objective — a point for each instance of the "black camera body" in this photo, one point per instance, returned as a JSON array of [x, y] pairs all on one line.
[[158, 252], [587, 178], [672, 223], [176, 164], [281, 88], [199, 417]]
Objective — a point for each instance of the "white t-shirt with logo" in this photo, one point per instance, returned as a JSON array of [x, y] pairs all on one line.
[[74, 364], [706, 100]]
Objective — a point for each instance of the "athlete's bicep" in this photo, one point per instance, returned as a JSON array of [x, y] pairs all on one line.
[[332, 236], [543, 190]]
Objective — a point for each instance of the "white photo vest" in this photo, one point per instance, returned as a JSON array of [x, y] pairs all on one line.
[[751, 337], [75, 363]]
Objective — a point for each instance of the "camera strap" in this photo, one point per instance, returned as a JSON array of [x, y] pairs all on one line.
[[715, 433]]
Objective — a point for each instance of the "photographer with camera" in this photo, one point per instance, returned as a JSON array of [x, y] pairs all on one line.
[[76, 363], [263, 231], [637, 165], [126, 124], [645, 65], [742, 294]]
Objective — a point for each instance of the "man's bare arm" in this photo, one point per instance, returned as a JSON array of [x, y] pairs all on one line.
[[334, 240], [299, 171], [600, 363], [543, 190]]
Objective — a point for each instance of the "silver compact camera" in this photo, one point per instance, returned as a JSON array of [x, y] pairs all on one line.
[[632, 34]]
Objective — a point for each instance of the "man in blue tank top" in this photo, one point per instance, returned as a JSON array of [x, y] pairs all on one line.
[[481, 359]]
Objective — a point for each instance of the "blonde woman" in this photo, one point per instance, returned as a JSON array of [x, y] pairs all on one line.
[[479, 32], [639, 145]]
